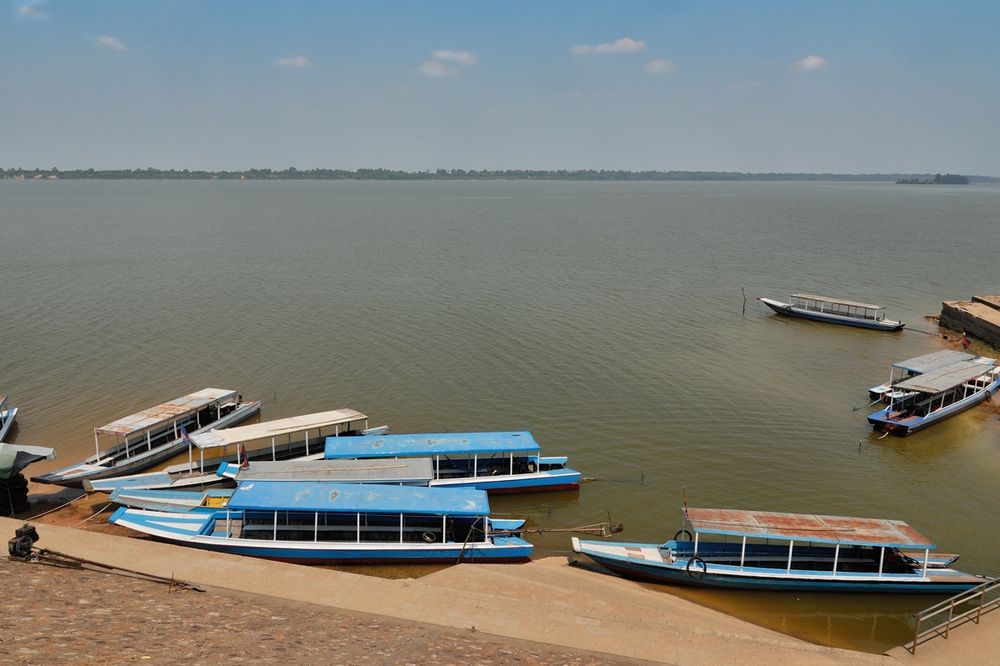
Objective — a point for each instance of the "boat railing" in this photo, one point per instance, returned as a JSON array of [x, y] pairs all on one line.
[[969, 606]]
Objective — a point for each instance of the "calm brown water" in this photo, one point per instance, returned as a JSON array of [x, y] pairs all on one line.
[[605, 317]]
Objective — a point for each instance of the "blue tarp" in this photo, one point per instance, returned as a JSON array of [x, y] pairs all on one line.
[[450, 443], [358, 498]]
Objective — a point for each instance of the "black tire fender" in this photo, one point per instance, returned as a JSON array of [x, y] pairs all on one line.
[[695, 573], [680, 532]]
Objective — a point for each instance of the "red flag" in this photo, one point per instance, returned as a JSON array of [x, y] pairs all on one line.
[[244, 458]]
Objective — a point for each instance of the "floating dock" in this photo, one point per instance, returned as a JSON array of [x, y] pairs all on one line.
[[979, 317]]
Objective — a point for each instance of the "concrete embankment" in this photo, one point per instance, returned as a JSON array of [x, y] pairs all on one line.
[[979, 317], [545, 601]]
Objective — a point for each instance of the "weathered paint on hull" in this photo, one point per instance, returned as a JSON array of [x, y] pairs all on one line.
[[916, 424], [681, 577]]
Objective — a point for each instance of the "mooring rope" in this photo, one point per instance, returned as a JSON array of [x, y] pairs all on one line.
[[45, 513]]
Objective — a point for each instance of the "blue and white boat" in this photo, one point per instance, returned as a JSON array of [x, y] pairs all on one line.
[[331, 523], [149, 437], [834, 311], [296, 437], [409, 472], [759, 550], [919, 365], [923, 400], [7, 416], [498, 462]]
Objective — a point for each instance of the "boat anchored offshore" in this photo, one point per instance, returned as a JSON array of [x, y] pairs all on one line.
[[926, 399], [498, 462], [920, 365], [327, 523], [153, 435], [759, 550], [834, 311], [282, 439]]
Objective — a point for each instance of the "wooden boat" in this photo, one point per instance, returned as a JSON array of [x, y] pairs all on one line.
[[926, 399], [834, 311], [7, 416], [153, 435], [329, 523], [758, 550], [411, 472], [919, 365], [498, 462], [282, 439]]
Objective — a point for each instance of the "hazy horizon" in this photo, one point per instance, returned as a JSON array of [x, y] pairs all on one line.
[[772, 87]]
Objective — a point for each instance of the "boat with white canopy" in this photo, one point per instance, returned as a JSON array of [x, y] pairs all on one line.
[[761, 550], [919, 365], [926, 399], [149, 437], [834, 311], [281, 439], [409, 472]]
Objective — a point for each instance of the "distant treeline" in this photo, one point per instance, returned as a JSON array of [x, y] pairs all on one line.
[[292, 173], [946, 179]]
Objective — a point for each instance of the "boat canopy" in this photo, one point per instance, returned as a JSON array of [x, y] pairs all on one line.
[[926, 362], [380, 470], [449, 443], [839, 301], [168, 412], [15, 457], [944, 378], [227, 436], [358, 498], [807, 527]]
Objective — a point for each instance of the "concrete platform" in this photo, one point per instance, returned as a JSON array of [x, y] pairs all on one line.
[[545, 600]]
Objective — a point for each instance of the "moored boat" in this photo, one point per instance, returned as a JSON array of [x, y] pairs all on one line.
[[411, 472], [149, 437], [282, 439], [834, 311], [760, 550], [920, 365], [926, 399], [498, 462], [7, 416], [329, 523]]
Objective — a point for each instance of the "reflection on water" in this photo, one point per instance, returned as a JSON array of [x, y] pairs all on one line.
[[607, 318]]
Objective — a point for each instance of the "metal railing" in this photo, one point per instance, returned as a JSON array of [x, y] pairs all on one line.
[[975, 599]]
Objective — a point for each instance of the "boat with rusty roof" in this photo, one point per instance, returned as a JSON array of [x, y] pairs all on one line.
[[760, 550], [153, 435]]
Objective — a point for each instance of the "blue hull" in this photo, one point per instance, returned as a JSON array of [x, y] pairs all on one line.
[[565, 479], [680, 576], [373, 556], [903, 427]]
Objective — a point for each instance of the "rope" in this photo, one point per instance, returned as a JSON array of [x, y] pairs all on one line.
[[45, 513], [101, 510]]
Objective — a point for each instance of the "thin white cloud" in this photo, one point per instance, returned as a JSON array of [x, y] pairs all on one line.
[[623, 45], [294, 62], [31, 11], [457, 57], [660, 67], [744, 86], [109, 43], [437, 70], [810, 62]]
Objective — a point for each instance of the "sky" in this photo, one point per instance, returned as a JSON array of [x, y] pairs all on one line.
[[839, 86]]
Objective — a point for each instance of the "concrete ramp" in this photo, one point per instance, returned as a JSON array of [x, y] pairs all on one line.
[[545, 600]]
